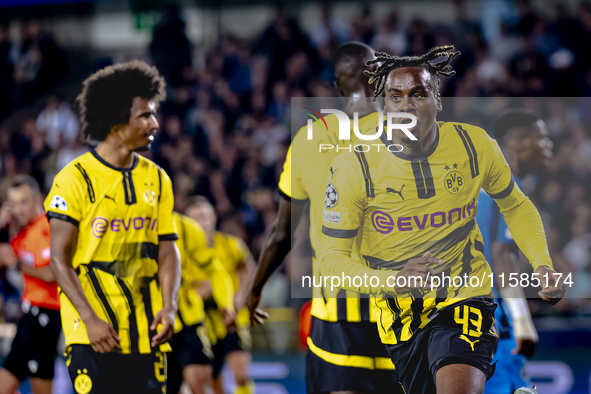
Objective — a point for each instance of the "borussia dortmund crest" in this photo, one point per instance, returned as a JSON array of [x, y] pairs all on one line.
[[82, 383], [454, 182], [149, 195]]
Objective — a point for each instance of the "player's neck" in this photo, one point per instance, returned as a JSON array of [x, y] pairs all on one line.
[[412, 148], [115, 154]]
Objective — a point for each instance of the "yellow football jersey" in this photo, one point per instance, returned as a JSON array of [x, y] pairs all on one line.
[[232, 252], [197, 259], [122, 214], [394, 207], [302, 179]]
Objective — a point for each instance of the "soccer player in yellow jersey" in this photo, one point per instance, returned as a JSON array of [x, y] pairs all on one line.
[[230, 343], [344, 350], [113, 250], [191, 358], [412, 213]]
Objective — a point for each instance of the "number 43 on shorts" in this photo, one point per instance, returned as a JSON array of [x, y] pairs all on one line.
[[470, 318]]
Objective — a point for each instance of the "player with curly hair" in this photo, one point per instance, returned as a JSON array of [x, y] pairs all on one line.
[[113, 235]]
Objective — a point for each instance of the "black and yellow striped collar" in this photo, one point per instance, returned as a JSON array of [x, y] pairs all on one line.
[[422, 155], [102, 161]]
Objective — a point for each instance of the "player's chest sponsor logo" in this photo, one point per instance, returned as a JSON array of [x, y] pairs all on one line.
[[101, 225], [384, 223]]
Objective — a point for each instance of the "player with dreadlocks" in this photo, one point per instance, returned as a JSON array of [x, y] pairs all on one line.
[[440, 334]]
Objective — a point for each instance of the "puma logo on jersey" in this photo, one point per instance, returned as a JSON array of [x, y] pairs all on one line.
[[390, 190], [465, 338], [110, 198]]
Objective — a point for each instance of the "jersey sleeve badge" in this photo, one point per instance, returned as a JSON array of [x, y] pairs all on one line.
[[331, 196], [58, 202]]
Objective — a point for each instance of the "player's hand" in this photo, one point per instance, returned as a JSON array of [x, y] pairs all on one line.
[[102, 336], [227, 316], [166, 318], [525, 346], [417, 267], [554, 288], [257, 316]]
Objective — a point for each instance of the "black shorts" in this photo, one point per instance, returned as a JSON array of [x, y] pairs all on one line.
[[189, 346], [348, 356], [450, 338], [116, 373], [237, 339], [34, 345]]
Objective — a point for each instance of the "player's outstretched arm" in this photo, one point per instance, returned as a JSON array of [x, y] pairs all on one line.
[[275, 247], [523, 220], [245, 272], [525, 224], [169, 274], [102, 336]]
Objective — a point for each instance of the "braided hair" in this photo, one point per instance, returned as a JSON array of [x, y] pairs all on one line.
[[387, 63]]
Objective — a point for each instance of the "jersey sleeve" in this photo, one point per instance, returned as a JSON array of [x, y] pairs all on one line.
[[290, 182], [522, 217], [498, 181], [344, 199], [204, 256], [67, 198], [166, 228]]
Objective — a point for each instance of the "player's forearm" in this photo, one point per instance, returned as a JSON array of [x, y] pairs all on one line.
[[275, 247], [43, 273], [169, 274], [337, 262], [243, 277], [64, 237], [526, 227], [222, 286]]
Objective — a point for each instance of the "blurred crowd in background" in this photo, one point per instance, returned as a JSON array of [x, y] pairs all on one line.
[[225, 126]]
